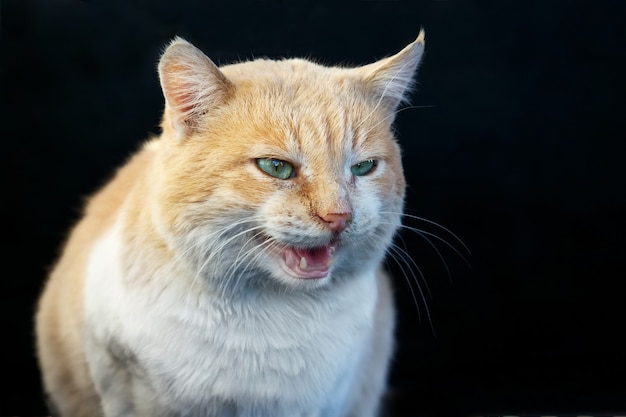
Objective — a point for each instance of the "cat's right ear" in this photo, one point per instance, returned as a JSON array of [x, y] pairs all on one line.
[[192, 85]]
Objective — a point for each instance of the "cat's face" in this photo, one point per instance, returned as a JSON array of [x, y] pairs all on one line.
[[286, 168]]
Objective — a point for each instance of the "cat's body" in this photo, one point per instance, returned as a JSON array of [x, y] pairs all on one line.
[[232, 266]]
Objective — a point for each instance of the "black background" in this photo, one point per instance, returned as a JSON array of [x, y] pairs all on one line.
[[518, 149]]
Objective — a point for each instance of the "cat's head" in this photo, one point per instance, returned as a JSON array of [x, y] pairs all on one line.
[[281, 172]]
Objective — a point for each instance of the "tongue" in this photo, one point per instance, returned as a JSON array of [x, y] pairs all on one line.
[[308, 263]]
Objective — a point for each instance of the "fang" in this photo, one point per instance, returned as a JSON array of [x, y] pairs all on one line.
[[303, 265]]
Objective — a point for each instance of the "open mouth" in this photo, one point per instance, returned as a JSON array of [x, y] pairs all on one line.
[[312, 263]]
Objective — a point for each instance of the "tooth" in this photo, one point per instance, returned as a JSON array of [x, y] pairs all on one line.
[[303, 265], [331, 252]]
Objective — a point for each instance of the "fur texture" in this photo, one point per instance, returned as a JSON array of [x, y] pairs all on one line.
[[199, 282]]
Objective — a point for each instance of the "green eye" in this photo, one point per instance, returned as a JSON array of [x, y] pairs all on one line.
[[363, 168], [276, 168]]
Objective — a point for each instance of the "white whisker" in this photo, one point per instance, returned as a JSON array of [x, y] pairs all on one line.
[[408, 258], [423, 232], [439, 226], [218, 250], [235, 271], [400, 256], [408, 281]]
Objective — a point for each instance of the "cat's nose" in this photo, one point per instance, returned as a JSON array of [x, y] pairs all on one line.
[[337, 222]]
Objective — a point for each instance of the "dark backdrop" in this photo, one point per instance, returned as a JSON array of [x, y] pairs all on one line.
[[519, 151]]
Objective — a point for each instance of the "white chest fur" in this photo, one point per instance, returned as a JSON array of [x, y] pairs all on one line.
[[265, 354]]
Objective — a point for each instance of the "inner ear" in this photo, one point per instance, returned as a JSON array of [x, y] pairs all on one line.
[[192, 85]]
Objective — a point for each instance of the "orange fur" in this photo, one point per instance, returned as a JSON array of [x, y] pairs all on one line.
[[203, 166], [59, 316]]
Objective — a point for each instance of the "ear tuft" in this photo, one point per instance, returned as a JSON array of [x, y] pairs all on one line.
[[192, 85]]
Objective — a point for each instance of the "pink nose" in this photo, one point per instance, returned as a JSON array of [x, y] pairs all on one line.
[[337, 222]]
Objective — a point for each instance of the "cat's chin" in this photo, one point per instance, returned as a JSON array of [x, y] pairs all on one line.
[[307, 263]]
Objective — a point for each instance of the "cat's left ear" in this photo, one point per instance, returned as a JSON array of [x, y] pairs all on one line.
[[391, 78], [192, 85]]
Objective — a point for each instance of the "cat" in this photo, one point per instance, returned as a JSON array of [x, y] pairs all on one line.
[[232, 267]]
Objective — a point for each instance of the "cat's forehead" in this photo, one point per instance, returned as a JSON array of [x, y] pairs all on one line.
[[295, 107], [295, 69], [303, 95], [297, 80]]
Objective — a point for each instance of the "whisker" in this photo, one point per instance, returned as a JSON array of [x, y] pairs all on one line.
[[258, 254], [414, 264], [230, 239], [206, 245], [423, 232], [239, 260], [439, 226], [436, 249], [408, 281], [216, 234], [401, 253], [217, 250]]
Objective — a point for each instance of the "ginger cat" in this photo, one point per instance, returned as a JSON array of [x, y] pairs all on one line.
[[232, 267]]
